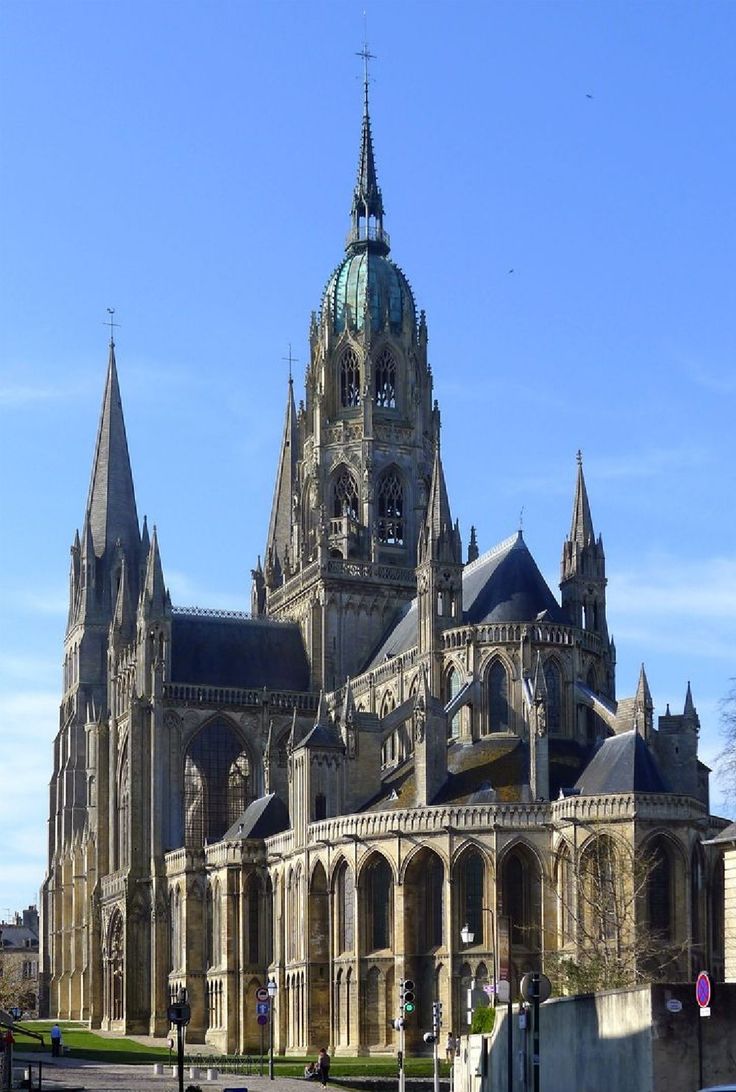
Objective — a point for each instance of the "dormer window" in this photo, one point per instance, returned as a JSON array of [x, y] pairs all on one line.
[[349, 379], [386, 380]]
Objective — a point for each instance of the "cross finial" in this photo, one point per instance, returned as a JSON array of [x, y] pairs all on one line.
[[291, 359], [367, 56], [521, 518], [579, 457], [111, 323]]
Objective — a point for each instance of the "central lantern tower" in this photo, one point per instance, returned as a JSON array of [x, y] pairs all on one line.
[[356, 457]]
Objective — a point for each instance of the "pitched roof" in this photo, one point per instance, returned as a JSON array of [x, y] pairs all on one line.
[[622, 763], [503, 585], [262, 818], [218, 650]]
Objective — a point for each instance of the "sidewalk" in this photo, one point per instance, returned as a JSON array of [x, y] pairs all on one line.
[[76, 1073]]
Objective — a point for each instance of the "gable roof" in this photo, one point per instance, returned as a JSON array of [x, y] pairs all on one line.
[[263, 817], [503, 585], [622, 763]]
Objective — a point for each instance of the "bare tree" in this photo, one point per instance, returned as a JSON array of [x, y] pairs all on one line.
[[610, 932], [727, 758], [15, 990]]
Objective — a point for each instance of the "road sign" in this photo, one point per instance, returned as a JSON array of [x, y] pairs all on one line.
[[261, 994], [180, 1013], [527, 985], [673, 1005], [702, 990], [262, 1019], [262, 1008]]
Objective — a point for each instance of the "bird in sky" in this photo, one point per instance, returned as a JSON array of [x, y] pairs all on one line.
[[588, 95]]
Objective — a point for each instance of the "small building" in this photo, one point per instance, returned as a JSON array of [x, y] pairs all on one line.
[[19, 961]]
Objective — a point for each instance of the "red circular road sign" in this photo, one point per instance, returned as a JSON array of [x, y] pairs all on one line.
[[261, 994], [702, 990]]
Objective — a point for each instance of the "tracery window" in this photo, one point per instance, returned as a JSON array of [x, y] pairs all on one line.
[[391, 510], [345, 496], [521, 897], [431, 911], [386, 380], [552, 682], [565, 894], [217, 783], [349, 379], [498, 698], [659, 892], [124, 813]]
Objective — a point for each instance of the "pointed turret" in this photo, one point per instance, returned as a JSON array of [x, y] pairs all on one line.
[[643, 706], [123, 619], [111, 510], [689, 709], [439, 539], [279, 528], [366, 214], [581, 530], [154, 596], [583, 575], [473, 551]]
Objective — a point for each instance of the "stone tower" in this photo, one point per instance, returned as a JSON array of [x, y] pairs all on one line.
[[356, 457], [583, 582]]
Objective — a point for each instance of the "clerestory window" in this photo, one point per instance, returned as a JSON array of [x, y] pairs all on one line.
[[391, 510], [385, 371], [349, 379]]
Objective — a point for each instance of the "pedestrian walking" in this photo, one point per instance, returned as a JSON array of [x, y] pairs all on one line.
[[55, 1034], [323, 1065], [450, 1048]]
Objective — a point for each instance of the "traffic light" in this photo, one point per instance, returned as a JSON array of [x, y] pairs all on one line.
[[407, 997], [436, 1017]]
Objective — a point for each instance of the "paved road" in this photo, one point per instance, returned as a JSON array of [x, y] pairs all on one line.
[[75, 1073]]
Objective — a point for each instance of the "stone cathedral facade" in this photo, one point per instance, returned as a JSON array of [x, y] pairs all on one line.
[[398, 739]]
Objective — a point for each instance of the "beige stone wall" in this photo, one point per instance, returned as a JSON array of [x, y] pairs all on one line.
[[729, 869]]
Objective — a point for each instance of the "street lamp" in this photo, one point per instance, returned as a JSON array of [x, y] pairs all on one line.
[[271, 987]]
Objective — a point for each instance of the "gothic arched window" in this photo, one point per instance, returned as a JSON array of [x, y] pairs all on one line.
[[659, 892], [498, 698], [391, 509], [345, 496], [554, 701], [124, 812], [452, 687], [379, 905], [349, 379], [345, 910], [521, 896], [386, 380], [472, 880], [217, 783]]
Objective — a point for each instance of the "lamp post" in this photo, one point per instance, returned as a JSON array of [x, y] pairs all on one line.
[[271, 987]]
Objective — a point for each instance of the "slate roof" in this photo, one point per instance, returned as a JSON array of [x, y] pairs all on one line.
[[321, 737], [216, 650], [263, 817], [504, 585], [622, 763], [18, 936], [728, 834]]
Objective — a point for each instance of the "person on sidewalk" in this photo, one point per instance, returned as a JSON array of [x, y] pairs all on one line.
[[55, 1034], [450, 1048], [323, 1065]]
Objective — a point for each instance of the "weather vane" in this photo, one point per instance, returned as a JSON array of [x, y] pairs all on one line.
[[521, 518], [291, 359], [111, 323]]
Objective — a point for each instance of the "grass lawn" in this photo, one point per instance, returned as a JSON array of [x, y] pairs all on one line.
[[84, 1043]]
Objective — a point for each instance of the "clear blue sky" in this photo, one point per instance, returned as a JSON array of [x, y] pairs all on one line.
[[191, 165]]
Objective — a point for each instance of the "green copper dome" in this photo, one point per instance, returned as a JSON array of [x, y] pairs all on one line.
[[369, 281]]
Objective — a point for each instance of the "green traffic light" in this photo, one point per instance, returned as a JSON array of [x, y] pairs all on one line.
[[409, 1006]]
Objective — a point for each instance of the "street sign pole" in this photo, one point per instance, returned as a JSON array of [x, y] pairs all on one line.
[[702, 996]]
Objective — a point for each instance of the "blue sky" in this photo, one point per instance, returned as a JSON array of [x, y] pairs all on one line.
[[191, 165]]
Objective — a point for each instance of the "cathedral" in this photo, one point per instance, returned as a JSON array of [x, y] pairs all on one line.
[[407, 760]]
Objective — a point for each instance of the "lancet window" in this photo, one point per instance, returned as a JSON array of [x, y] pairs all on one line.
[[349, 379], [554, 700], [217, 783], [498, 698], [385, 371], [391, 509]]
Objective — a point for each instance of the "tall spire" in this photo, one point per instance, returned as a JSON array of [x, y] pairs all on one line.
[[581, 530], [366, 214], [279, 528], [111, 510], [439, 539]]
